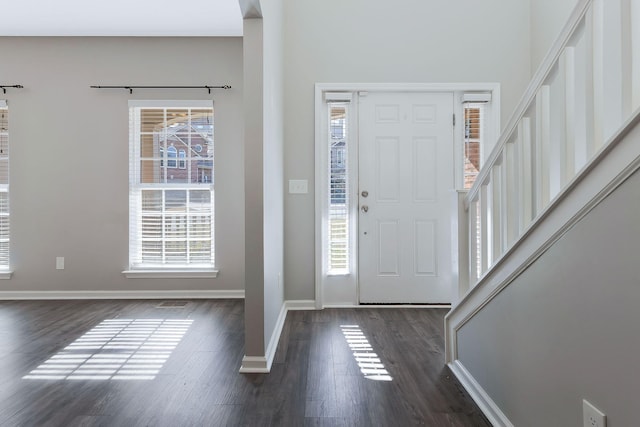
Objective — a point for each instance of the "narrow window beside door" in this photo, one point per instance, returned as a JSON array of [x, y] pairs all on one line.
[[475, 135], [473, 131], [338, 225], [4, 186]]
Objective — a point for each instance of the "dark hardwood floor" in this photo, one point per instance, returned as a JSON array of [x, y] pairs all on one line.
[[179, 367]]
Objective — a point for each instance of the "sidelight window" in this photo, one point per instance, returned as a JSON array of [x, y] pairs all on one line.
[[338, 218], [4, 186]]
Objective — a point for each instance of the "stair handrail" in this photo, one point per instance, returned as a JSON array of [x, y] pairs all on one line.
[[543, 71]]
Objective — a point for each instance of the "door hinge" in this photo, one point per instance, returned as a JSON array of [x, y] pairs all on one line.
[[454, 119]]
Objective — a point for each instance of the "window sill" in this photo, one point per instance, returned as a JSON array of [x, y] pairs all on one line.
[[171, 274], [5, 275]]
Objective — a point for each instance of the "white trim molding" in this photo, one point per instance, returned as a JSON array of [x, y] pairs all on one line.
[[262, 364], [120, 295], [617, 160], [342, 290], [480, 396], [272, 346], [295, 305], [255, 365], [171, 274], [408, 306]]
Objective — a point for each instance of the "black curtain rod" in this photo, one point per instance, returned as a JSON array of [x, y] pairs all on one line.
[[4, 87], [131, 88]]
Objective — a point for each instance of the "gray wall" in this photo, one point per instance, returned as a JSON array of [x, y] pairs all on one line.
[[69, 154], [334, 41], [567, 328], [548, 17]]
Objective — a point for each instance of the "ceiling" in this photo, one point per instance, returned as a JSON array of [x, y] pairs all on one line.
[[120, 18]]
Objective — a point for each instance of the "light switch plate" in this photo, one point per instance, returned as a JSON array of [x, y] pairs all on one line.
[[298, 186]]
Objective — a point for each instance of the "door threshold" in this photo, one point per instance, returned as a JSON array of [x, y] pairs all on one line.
[[403, 305]]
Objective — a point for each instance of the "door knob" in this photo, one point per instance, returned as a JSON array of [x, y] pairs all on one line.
[[364, 208], [365, 193]]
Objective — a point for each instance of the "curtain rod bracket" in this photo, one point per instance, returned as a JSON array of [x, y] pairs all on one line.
[[4, 87]]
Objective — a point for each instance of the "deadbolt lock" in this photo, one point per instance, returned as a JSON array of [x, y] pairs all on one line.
[[365, 193]]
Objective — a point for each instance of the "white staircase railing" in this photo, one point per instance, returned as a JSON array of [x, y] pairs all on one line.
[[586, 88]]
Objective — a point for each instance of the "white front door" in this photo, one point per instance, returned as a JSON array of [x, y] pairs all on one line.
[[406, 193]]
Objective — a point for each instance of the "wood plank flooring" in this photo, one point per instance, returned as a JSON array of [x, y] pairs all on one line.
[[315, 379]]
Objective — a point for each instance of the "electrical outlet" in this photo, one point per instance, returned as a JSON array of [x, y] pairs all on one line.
[[60, 263], [592, 416]]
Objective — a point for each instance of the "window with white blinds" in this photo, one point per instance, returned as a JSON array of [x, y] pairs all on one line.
[[338, 226], [4, 186], [473, 136], [171, 197]]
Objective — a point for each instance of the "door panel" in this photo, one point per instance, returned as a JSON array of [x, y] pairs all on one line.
[[389, 248], [425, 252], [388, 174], [406, 172]]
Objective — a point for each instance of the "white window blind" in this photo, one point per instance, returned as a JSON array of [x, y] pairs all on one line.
[[4, 186], [473, 139], [338, 226], [171, 198]]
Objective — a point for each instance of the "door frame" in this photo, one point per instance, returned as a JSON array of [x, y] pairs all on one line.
[[342, 290]]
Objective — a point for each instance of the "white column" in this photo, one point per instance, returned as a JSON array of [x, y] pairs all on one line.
[[593, 130], [526, 179], [474, 254], [635, 53], [597, 49], [568, 164], [496, 212], [485, 228], [626, 29], [557, 148], [511, 186], [581, 103], [542, 149], [612, 21]]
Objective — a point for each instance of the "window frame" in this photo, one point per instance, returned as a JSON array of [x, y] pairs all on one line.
[[5, 269], [340, 144], [172, 157], [490, 100], [182, 159], [164, 269]]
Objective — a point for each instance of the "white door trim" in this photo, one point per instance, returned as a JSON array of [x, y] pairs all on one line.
[[321, 157]]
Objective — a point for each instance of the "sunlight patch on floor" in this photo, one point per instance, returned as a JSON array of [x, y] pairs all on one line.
[[370, 364], [116, 349]]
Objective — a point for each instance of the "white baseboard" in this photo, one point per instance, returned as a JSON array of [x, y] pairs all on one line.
[[387, 306], [262, 364], [480, 396], [275, 336], [120, 295], [300, 304], [254, 365]]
